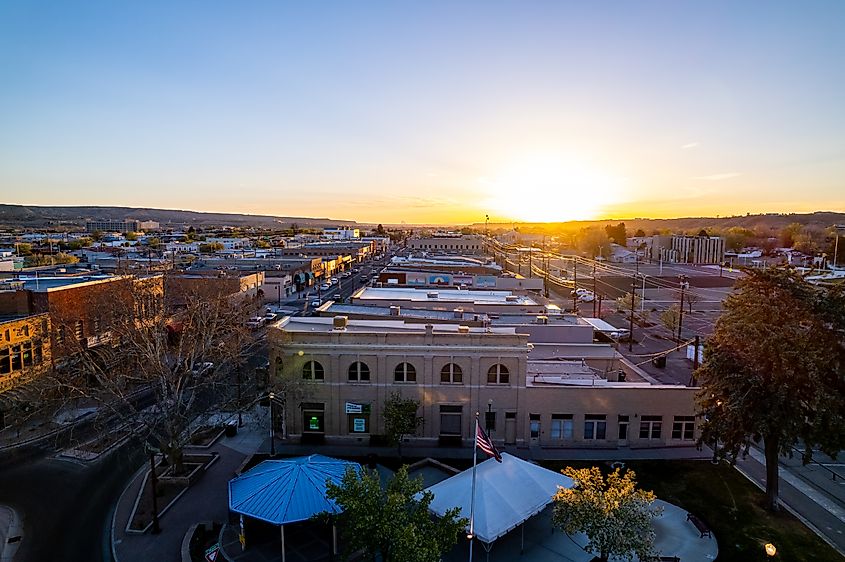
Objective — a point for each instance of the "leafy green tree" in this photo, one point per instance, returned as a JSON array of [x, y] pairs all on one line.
[[617, 233], [97, 236], [392, 524], [380, 230], [131, 236], [640, 233], [615, 515], [671, 318], [773, 370], [24, 248], [400, 419], [211, 247]]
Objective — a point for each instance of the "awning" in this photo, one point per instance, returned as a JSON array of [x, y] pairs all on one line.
[[506, 494], [288, 490]]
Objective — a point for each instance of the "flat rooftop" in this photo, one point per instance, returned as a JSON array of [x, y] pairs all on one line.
[[325, 324], [445, 295], [46, 282]]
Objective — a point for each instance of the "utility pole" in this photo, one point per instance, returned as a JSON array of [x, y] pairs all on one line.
[[575, 284], [631, 330], [594, 288], [684, 285]]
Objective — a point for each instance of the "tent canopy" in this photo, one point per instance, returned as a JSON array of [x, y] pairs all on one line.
[[506, 494], [288, 490]]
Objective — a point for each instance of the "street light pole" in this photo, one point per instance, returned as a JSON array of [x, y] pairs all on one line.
[[684, 285], [272, 428]]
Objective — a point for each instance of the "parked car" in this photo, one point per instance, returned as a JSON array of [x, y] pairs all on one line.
[[334, 281], [338, 297], [315, 303], [256, 322], [325, 287]]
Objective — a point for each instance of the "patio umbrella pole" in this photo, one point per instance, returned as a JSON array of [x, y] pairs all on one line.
[[522, 538], [282, 527]]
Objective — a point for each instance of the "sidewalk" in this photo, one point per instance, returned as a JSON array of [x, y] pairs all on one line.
[[817, 502], [207, 500]]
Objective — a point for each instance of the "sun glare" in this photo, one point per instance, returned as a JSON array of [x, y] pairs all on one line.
[[549, 190]]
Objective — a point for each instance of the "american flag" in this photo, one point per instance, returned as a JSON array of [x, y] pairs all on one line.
[[485, 444]]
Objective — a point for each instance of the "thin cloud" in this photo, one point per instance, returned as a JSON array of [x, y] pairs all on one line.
[[690, 145], [717, 177]]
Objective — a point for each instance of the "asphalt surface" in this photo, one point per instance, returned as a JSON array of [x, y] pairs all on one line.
[[66, 505]]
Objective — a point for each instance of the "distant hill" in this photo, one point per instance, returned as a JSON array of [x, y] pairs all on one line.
[[774, 221], [31, 216]]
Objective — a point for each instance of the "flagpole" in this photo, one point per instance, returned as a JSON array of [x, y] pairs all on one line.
[[472, 501]]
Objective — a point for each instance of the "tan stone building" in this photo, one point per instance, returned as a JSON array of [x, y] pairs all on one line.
[[455, 371], [24, 349]]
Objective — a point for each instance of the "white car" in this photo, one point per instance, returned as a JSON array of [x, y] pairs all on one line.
[[325, 287], [334, 281], [256, 322]]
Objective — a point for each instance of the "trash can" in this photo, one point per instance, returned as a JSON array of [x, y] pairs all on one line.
[[659, 361], [231, 428]]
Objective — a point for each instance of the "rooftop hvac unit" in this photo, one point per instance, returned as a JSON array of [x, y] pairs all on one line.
[[395, 310], [433, 294], [463, 329], [339, 322], [511, 298], [542, 319], [458, 313]]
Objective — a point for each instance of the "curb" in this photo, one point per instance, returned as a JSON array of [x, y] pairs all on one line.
[[117, 505], [794, 513], [15, 530]]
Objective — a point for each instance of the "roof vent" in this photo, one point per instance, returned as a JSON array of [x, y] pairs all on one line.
[[395, 310], [433, 294], [542, 320], [458, 313], [339, 323], [463, 329], [511, 298]]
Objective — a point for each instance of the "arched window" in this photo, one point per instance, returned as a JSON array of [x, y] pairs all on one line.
[[313, 370], [498, 374], [451, 374], [404, 372], [359, 372]]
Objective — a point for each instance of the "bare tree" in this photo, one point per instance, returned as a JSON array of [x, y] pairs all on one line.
[[159, 370]]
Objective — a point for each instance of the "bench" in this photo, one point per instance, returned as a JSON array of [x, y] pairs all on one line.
[[700, 525]]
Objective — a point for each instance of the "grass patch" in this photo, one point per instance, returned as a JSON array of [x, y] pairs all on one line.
[[730, 505]]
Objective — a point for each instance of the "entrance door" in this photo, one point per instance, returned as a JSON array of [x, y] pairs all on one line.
[[534, 426], [623, 431], [510, 428]]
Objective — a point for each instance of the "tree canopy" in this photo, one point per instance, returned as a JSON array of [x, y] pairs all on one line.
[[400, 418], [393, 522], [773, 370], [614, 514]]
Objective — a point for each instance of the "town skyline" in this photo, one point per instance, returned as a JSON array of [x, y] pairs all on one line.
[[653, 110]]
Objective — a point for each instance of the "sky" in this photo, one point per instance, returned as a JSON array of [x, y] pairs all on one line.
[[425, 112]]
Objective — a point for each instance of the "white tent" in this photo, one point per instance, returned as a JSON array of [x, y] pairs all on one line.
[[506, 494]]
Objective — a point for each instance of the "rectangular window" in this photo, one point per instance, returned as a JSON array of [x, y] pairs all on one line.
[[39, 352], [595, 426], [650, 427], [450, 420], [5, 364], [683, 428], [78, 330], [16, 358], [27, 354], [562, 427]]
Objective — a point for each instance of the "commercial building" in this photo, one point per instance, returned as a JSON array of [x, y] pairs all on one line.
[[126, 225], [25, 351], [527, 399], [461, 244], [211, 284], [679, 248], [341, 233], [480, 301]]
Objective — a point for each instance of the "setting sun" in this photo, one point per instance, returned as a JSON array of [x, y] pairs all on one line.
[[545, 188]]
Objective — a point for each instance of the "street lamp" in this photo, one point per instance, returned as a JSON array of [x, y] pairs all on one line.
[[715, 459], [272, 432], [770, 549]]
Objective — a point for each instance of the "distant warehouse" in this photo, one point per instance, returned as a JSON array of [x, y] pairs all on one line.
[[127, 225]]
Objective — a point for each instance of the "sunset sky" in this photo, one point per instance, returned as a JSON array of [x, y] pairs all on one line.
[[425, 112]]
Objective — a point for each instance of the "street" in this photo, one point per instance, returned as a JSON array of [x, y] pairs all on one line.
[[66, 505]]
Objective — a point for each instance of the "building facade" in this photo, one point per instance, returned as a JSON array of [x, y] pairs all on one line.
[[109, 225], [695, 250], [25, 351], [466, 243], [352, 367]]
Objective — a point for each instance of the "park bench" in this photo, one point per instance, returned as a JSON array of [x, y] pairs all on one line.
[[700, 525]]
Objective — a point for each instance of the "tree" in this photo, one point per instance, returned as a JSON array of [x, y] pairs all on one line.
[[211, 247], [288, 384], [773, 370], [97, 236], [181, 362], [671, 319], [380, 230], [691, 298], [640, 233], [400, 419], [614, 514], [594, 241], [617, 233], [623, 304], [24, 248], [392, 524], [131, 236]]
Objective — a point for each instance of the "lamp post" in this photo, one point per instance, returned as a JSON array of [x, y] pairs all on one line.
[[272, 432], [684, 286], [715, 459]]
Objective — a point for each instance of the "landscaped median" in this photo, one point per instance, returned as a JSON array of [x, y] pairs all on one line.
[[729, 505]]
